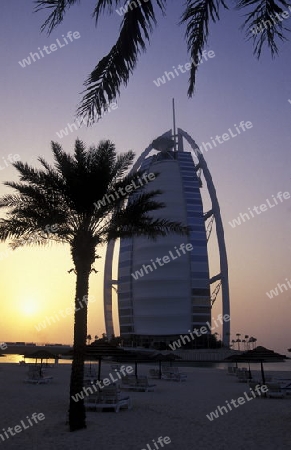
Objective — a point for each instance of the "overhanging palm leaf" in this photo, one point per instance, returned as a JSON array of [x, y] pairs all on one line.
[[260, 26], [103, 84], [197, 16], [65, 196], [57, 15], [103, 6], [113, 71]]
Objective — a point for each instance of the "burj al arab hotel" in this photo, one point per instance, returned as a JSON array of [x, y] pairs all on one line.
[[159, 303]]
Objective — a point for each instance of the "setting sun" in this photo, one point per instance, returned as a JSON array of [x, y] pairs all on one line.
[[29, 307]]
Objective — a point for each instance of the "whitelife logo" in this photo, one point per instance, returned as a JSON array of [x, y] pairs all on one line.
[[258, 209], [159, 444], [171, 75], [145, 179], [266, 24], [241, 401], [80, 123], [11, 159], [101, 384], [166, 259], [129, 5], [243, 126], [274, 292], [53, 47], [64, 313], [23, 426], [198, 332]]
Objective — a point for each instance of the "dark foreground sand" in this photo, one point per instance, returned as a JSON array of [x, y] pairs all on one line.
[[176, 410]]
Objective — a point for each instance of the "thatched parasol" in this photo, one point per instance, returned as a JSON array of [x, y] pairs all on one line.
[[41, 354], [259, 355]]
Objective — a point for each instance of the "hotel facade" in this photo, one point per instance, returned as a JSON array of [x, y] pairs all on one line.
[[164, 286]]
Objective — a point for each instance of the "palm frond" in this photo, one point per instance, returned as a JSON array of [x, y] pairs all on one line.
[[80, 154], [146, 226], [105, 5], [197, 15], [23, 231], [104, 82], [263, 24], [59, 7], [122, 164]]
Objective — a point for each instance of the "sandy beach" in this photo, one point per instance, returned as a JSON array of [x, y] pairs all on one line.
[[176, 410]]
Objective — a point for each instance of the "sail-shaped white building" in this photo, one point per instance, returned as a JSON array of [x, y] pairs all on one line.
[[164, 286]]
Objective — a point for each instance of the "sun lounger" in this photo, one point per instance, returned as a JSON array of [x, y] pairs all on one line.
[[173, 374], [128, 379], [90, 372], [139, 384], [285, 384], [168, 376], [275, 391], [231, 370], [154, 373], [108, 397], [242, 375], [37, 376]]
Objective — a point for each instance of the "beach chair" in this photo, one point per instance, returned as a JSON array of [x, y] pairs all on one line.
[[90, 372], [253, 385], [275, 391], [139, 384], [154, 373], [182, 376], [173, 374], [108, 397], [129, 379], [37, 376], [143, 384], [243, 376]]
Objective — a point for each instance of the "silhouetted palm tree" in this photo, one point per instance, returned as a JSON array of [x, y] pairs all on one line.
[[247, 342], [238, 340], [253, 340], [65, 195], [139, 18]]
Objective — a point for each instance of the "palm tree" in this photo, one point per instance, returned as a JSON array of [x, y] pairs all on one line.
[[64, 194], [238, 340], [247, 342], [252, 340], [139, 18]]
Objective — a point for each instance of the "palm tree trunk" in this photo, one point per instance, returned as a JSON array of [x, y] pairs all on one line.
[[77, 415]]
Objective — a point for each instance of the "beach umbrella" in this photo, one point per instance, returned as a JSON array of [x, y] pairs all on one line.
[[41, 354], [258, 355], [100, 350], [136, 357]]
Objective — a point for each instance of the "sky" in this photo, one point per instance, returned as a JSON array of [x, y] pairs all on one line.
[[40, 99]]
